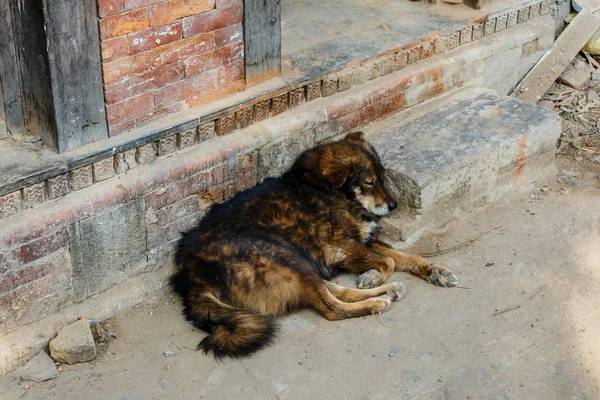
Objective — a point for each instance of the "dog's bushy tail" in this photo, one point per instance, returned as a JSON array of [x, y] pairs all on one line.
[[236, 333]]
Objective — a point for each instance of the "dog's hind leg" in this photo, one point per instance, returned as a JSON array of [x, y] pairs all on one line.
[[417, 265], [334, 309], [349, 295]]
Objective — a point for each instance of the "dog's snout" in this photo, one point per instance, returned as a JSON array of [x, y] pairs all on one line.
[[392, 205]]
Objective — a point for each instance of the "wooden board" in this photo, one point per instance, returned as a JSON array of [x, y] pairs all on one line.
[[262, 40], [61, 71], [554, 62], [10, 82]]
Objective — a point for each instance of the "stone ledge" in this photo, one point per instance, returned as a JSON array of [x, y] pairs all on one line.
[[231, 113]]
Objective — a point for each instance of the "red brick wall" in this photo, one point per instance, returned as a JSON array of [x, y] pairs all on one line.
[[160, 57]]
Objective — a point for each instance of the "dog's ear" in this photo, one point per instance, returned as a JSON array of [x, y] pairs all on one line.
[[335, 168], [355, 136]]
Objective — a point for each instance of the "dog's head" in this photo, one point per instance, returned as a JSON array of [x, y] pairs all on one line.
[[350, 166]]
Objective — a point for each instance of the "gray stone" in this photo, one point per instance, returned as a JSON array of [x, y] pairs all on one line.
[[107, 248], [168, 353], [596, 75], [39, 369], [469, 148], [597, 159], [576, 74], [74, 343], [593, 97]]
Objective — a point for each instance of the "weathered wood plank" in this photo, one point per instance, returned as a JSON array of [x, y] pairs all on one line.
[[262, 40], [10, 82], [62, 71], [554, 62]]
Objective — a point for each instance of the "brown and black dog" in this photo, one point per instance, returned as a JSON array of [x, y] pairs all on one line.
[[274, 248]]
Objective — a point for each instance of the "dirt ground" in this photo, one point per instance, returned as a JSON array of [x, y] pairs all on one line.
[[434, 344]]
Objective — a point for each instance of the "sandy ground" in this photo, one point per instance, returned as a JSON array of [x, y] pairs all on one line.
[[434, 344]]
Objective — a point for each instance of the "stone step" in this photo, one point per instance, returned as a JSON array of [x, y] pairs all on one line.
[[460, 152]]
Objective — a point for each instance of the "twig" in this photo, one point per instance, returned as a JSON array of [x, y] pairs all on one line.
[[520, 305], [484, 352], [451, 249], [380, 322], [461, 287], [118, 358]]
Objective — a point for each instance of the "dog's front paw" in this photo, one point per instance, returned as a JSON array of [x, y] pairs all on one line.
[[369, 279], [442, 277], [398, 291]]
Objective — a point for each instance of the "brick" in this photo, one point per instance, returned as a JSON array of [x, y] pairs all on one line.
[[218, 94], [154, 37], [245, 181], [512, 19], [178, 190], [145, 154], [534, 11], [117, 129], [129, 109], [466, 35], [180, 50], [440, 45], [169, 11], [427, 49], [213, 20], [219, 174], [214, 59], [226, 3], [109, 7], [501, 22], [124, 23], [262, 110], [478, 31], [246, 163], [81, 177], [313, 91], [34, 195], [41, 247], [113, 49], [279, 104], [489, 27], [523, 15], [228, 35], [125, 161], [206, 131], [225, 125], [545, 7], [11, 204], [328, 86], [401, 59], [230, 73], [373, 69], [14, 279], [345, 81], [414, 53], [389, 64], [453, 40], [297, 96], [103, 169], [131, 4], [187, 88], [170, 213], [244, 117], [57, 186], [359, 75], [126, 67], [160, 113], [186, 139]]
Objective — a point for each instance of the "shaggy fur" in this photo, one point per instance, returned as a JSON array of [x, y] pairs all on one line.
[[274, 248]]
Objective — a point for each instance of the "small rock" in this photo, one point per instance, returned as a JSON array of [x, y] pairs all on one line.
[[26, 387], [74, 343], [490, 264], [596, 75], [576, 75], [169, 354], [572, 181], [544, 189], [392, 354], [546, 104], [39, 369], [597, 159], [151, 312]]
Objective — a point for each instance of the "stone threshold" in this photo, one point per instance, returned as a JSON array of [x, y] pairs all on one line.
[[54, 176]]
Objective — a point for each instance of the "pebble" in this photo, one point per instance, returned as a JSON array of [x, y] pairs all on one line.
[[597, 159], [169, 354], [26, 387], [596, 75], [151, 312], [392, 354]]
